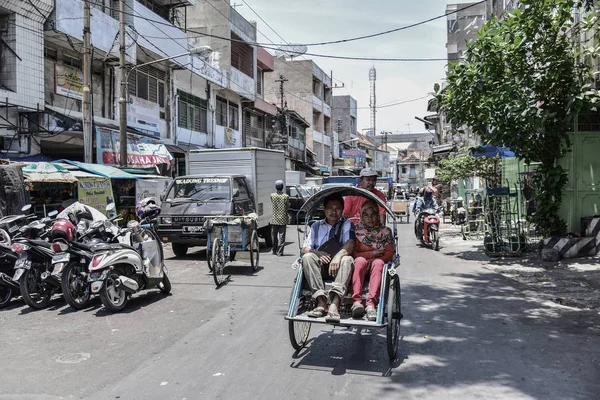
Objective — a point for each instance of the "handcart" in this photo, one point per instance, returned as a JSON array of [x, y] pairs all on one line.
[[400, 209], [226, 236], [388, 309]]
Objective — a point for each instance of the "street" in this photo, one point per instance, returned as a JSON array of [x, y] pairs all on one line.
[[467, 333]]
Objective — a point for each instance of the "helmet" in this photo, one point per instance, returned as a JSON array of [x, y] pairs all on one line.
[[147, 208], [279, 185], [63, 228]]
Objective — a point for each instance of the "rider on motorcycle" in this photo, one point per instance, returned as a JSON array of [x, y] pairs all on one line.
[[425, 202]]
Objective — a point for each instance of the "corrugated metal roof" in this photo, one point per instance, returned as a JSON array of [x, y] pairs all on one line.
[[103, 170]]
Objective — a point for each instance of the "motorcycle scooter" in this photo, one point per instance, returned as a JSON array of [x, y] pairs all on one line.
[[427, 226], [119, 270]]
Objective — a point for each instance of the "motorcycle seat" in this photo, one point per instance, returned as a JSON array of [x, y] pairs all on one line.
[[41, 243], [111, 246]]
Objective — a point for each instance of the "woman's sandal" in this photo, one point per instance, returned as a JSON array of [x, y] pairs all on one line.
[[317, 312], [371, 313], [333, 315]]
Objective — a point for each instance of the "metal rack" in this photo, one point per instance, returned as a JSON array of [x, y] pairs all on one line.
[[504, 226], [474, 226]]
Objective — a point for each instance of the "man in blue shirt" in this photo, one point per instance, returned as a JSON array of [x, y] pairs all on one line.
[[318, 263]]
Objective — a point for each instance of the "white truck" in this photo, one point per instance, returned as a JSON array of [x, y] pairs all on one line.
[[220, 182]]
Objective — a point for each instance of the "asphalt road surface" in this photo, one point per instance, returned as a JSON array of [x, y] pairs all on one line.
[[468, 333]]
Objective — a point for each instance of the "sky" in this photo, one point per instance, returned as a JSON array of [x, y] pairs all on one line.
[[309, 21]]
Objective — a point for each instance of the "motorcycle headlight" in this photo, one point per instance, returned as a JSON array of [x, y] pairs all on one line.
[[167, 220]]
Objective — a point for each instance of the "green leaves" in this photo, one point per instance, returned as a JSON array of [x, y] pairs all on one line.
[[527, 79]]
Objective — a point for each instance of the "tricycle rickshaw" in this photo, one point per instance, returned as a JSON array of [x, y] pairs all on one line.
[[226, 236], [400, 209], [388, 309]]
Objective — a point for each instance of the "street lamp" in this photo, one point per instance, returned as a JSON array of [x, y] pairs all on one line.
[[196, 51]]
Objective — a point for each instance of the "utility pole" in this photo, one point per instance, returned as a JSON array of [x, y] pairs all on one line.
[[281, 81], [123, 97], [87, 72]]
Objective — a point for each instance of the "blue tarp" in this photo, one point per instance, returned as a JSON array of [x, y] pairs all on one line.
[[103, 170], [492, 151]]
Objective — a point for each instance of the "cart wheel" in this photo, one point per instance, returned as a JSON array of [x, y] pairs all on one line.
[[299, 332], [254, 251], [394, 316], [218, 262]]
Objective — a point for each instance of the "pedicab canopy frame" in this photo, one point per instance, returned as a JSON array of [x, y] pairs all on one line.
[[388, 310]]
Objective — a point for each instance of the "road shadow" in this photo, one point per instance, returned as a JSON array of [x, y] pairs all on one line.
[[509, 339], [341, 351], [137, 302]]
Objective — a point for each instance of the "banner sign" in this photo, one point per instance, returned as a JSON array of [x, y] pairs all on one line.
[[143, 114], [68, 81], [150, 188], [141, 151], [359, 157], [95, 192]]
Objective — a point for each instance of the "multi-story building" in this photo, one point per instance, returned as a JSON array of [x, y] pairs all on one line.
[[463, 26], [289, 135], [344, 112], [307, 91], [170, 102], [21, 70], [241, 112]]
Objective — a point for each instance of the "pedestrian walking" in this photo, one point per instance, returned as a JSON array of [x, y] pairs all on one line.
[[281, 205]]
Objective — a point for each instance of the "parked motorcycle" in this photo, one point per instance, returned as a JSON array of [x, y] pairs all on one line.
[[34, 262], [427, 228], [119, 270], [71, 260]]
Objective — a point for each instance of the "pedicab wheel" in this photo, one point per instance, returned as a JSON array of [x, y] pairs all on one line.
[[209, 259], [218, 262], [254, 251], [165, 285], [393, 316], [299, 332]]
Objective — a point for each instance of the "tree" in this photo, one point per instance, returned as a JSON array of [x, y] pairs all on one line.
[[464, 165], [522, 83]]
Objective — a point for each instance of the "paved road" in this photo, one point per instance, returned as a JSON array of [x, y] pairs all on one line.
[[468, 333]]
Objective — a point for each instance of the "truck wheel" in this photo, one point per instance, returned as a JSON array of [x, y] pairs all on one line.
[[180, 250]]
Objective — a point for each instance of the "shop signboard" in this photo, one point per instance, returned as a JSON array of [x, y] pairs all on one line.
[[358, 158], [142, 151], [382, 160], [68, 81], [143, 114], [150, 188], [95, 192]]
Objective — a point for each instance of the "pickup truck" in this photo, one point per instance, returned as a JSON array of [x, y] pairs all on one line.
[[231, 182]]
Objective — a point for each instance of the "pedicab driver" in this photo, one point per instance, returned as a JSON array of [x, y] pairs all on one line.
[[326, 254], [367, 180]]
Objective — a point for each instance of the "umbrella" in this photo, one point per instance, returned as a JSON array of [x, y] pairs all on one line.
[[490, 150]]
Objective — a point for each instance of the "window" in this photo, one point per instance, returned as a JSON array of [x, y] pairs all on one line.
[[404, 169], [315, 121], [227, 114], [240, 184], [259, 81], [234, 117], [317, 88], [149, 84], [192, 112], [8, 54], [52, 54], [72, 61], [293, 192], [242, 56]]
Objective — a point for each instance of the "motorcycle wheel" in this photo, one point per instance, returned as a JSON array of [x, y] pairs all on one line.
[[6, 293], [434, 239], [35, 294], [113, 299], [74, 285], [165, 285]]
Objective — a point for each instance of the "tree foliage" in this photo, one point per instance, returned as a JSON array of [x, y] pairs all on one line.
[[464, 165], [522, 83]]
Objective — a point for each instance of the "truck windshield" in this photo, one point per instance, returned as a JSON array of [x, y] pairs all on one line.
[[201, 189]]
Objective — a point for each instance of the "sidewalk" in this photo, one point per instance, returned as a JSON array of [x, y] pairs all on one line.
[[570, 282]]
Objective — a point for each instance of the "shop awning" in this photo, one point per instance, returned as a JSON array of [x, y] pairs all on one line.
[[181, 148], [102, 170], [44, 172]]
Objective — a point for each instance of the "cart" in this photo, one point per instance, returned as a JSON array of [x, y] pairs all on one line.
[[226, 235], [401, 210], [388, 309]]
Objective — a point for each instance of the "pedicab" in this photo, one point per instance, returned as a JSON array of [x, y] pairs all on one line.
[[388, 308]]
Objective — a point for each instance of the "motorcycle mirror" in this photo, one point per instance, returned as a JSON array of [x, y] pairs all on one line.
[[52, 213], [26, 208], [110, 207]]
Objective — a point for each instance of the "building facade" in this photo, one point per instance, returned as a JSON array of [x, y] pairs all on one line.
[[462, 26], [307, 91]]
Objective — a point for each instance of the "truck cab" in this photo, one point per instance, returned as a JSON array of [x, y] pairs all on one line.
[[191, 199]]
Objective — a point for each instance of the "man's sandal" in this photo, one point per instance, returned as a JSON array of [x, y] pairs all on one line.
[[333, 316], [317, 312]]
